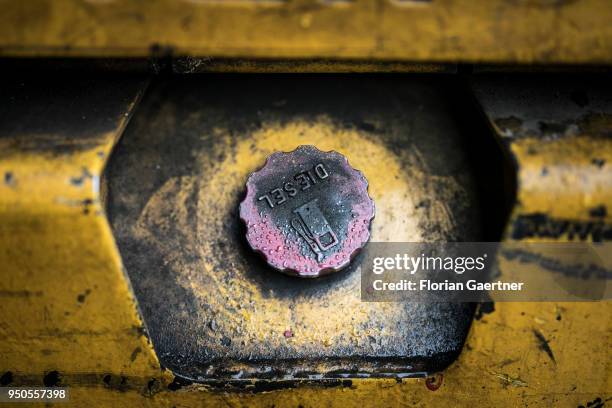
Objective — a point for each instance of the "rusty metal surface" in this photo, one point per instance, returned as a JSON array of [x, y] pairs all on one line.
[[307, 212], [213, 309]]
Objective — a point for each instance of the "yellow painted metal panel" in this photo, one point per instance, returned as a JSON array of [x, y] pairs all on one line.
[[444, 31], [65, 305]]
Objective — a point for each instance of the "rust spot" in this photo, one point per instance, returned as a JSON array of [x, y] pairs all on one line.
[[434, 382]]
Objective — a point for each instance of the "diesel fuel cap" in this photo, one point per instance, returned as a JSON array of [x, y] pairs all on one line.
[[307, 212]]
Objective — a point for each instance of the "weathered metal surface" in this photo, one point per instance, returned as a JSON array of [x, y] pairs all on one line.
[[470, 31], [557, 131], [202, 65], [307, 212], [516, 354], [196, 65], [214, 309], [66, 310]]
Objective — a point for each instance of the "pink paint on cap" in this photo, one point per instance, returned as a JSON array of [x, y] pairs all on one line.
[[307, 212]]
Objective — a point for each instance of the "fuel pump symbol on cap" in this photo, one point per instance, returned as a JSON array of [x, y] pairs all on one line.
[[314, 228]]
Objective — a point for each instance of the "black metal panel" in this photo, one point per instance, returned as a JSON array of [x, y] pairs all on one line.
[[213, 309]]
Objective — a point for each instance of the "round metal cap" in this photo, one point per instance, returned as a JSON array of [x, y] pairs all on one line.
[[307, 212]]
